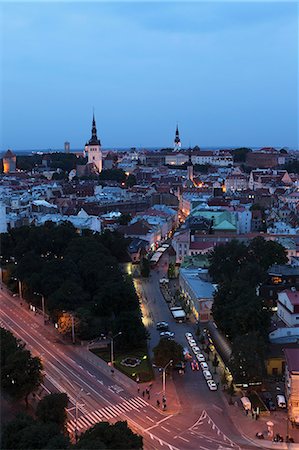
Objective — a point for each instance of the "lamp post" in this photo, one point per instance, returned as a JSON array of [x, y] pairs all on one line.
[[112, 347], [43, 305], [76, 414], [164, 377]]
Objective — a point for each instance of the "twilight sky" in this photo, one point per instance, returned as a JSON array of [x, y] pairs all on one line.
[[227, 72]]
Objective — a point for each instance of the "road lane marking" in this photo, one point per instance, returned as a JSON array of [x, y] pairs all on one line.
[[168, 431], [158, 423], [183, 439], [149, 418], [58, 357]]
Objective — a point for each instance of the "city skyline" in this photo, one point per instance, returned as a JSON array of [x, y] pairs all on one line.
[[225, 72]]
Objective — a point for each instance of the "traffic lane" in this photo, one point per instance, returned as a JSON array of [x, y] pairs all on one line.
[[60, 369]]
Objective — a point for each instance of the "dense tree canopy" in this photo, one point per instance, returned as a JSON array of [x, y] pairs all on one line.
[[239, 154], [110, 436], [167, 350], [24, 433], [248, 355], [52, 408], [238, 309], [77, 274], [20, 372]]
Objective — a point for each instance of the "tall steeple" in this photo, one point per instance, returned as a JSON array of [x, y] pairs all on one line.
[[93, 148], [177, 141], [94, 138]]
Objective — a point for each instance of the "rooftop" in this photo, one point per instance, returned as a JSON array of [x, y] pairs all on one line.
[[292, 359]]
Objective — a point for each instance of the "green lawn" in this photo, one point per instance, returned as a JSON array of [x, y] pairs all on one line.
[[144, 370]]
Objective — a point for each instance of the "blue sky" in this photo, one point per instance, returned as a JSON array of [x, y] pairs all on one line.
[[227, 72]]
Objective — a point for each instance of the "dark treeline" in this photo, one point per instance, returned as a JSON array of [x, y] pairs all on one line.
[[77, 274]]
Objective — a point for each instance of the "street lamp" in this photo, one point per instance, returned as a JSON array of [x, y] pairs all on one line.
[[111, 347], [76, 414], [164, 376], [43, 305]]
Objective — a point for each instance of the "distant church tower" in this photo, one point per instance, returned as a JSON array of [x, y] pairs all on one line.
[[177, 141], [93, 148]]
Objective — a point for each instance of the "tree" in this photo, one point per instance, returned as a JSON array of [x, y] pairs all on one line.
[[104, 435], [145, 267], [124, 219], [52, 408], [239, 154], [171, 270], [21, 373], [131, 180], [215, 363], [26, 433], [167, 350], [65, 323], [227, 260], [267, 253], [247, 360]]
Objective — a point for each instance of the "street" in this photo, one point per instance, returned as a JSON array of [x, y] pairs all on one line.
[[98, 395]]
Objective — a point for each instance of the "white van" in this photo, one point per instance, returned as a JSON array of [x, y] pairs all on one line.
[[246, 403], [281, 401]]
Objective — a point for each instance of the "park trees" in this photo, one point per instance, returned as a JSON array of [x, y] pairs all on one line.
[[77, 274], [21, 373], [52, 408], [167, 350], [104, 435]]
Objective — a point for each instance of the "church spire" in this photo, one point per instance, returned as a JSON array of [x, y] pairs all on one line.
[[177, 141], [94, 138]]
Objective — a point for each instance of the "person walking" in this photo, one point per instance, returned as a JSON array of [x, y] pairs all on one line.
[[158, 403], [143, 393]]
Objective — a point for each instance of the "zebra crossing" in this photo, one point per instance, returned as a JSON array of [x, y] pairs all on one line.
[[105, 414]]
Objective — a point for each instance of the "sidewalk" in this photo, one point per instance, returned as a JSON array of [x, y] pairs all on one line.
[[173, 405]]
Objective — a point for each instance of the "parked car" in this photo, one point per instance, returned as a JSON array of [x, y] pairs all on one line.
[[281, 401], [167, 334], [204, 366], [200, 357], [192, 343], [189, 336], [194, 365], [207, 374], [271, 405], [162, 326], [196, 349], [212, 385]]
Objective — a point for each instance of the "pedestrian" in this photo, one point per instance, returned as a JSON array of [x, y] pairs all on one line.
[[138, 389], [143, 393], [150, 386], [158, 403], [147, 391], [148, 396]]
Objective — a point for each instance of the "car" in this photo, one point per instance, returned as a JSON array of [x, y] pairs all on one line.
[[162, 326], [180, 367], [194, 365], [189, 336], [204, 366], [200, 357], [192, 343], [281, 401], [207, 374], [212, 385], [187, 354], [271, 405], [196, 349], [167, 334]]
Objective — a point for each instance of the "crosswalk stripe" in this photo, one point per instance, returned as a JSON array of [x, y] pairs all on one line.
[[141, 401], [124, 408], [114, 410], [96, 416], [107, 413], [83, 422], [135, 403]]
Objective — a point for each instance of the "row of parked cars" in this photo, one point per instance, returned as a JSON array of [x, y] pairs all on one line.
[[200, 359]]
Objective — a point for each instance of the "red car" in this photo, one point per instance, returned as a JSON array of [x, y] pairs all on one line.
[[194, 365]]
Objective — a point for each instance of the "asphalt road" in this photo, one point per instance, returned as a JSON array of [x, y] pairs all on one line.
[[201, 424]]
